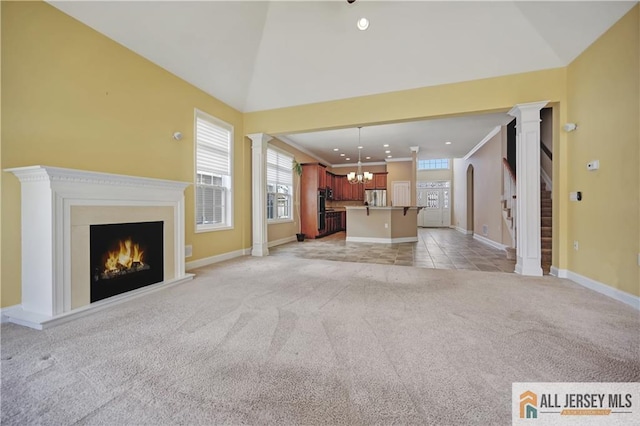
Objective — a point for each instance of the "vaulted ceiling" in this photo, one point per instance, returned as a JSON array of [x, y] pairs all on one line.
[[269, 54]]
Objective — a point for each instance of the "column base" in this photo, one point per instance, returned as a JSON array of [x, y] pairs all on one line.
[[261, 249], [528, 267]]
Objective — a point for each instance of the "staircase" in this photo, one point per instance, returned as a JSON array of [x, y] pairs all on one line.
[[545, 228], [508, 214]]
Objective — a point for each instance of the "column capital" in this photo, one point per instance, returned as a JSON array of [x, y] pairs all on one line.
[[528, 111], [259, 139]]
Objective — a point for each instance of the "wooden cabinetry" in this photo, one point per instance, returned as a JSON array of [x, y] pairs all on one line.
[[379, 181], [346, 190], [335, 222], [337, 187], [322, 176]]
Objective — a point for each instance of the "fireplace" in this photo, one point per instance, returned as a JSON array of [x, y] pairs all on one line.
[[63, 210], [125, 257]]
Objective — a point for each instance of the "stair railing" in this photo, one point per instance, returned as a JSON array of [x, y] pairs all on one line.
[[509, 199]]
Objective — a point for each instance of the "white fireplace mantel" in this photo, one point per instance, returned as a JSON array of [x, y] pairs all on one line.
[[48, 195]]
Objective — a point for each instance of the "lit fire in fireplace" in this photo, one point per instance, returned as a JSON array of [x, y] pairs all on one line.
[[126, 260]]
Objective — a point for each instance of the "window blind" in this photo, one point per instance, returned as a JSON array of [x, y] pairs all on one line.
[[279, 168], [213, 145]]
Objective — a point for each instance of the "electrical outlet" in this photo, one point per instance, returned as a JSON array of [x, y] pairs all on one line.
[[188, 251], [576, 246], [386, 225]]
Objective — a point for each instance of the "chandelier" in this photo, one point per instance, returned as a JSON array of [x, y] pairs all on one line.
[[359, 176]]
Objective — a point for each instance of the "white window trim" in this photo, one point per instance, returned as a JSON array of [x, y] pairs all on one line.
[[198, 229], [293, 189]]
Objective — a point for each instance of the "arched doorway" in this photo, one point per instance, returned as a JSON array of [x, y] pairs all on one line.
[[470, 199]]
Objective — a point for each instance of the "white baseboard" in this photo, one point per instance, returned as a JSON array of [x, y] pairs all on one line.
[[382, 240], [281, 241], [217, 258], [607, 290], [463, 231], [489, 242]]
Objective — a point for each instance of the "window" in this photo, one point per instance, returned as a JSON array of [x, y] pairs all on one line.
[[436, 164], [279, 185], [213, 173]]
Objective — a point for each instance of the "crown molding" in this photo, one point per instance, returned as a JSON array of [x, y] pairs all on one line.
[[480, 144], [302, 149]]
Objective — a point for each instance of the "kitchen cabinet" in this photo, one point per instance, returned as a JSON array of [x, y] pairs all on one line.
[[322, 176], [335, 222], [357, 192], [337, 187], [379, 181], [347, 190]]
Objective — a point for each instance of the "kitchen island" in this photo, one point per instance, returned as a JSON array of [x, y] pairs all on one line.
[[382, 224]]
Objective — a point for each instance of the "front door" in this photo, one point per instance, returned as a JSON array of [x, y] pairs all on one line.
[[434, 197]]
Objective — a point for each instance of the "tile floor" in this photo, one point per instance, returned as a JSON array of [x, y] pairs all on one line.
[[438, 248]]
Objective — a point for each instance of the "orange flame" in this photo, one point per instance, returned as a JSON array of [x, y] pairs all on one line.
[[128, 254]]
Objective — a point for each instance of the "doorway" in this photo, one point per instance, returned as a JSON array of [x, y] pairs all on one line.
[[435, 200]]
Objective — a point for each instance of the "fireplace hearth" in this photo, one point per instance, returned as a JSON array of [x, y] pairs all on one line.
[[125, 257]]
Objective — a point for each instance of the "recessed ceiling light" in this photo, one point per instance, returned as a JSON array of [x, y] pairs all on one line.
[[336, 149], [367, 158], [359, 147], [341, 155], [447, 143], [347, 158], [387, 152], [363, 24], [389, 156], [386, 145]]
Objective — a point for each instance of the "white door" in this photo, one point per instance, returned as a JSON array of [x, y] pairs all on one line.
[[435, 198], [401, 195]]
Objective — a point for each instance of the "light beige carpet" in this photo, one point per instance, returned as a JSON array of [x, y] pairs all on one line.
[[293, 341]]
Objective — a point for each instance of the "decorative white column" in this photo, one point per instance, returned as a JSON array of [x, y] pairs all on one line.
[[414, 174], [259, 193], [528, 187]]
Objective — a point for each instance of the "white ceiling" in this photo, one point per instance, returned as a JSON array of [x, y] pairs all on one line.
[[430, 136], [270, 54]]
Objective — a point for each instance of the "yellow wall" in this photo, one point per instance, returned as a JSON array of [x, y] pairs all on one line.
[[74, 98], [603, 99], [486, 95]]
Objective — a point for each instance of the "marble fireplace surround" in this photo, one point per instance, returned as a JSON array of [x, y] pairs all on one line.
[[57, 207]]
